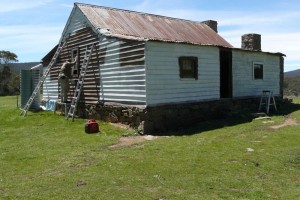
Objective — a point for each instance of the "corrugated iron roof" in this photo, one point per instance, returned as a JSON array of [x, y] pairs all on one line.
[[143, 26]]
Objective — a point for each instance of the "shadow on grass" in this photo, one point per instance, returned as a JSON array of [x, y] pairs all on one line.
[[241, 117], [286, 108]]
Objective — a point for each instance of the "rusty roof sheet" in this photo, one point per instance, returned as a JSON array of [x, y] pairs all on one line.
[[143, 26]]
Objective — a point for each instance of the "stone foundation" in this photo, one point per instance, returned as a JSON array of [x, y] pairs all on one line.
[[114, 113], [162, 118], [178, 116]]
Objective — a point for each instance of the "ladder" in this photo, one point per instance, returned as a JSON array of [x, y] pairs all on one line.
[[80, 81], [265, 101], [40, 83]]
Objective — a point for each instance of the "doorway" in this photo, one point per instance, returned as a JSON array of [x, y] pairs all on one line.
[[225, 73]]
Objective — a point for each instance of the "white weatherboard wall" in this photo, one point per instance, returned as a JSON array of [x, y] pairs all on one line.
[[163, 82], [50, 89], [242, 71], [124, 84], [76, 22]]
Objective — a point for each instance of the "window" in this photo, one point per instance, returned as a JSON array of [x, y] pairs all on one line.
[[258, 71], [75, 67], [188, 67]]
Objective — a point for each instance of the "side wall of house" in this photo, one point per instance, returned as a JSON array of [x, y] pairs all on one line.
[[117, 67], [244, 84], [164, 84], [122, 71], [77, 22], [79, 40]]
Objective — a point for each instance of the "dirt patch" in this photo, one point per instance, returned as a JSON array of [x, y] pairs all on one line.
[[287, 122], [131, 141], [122, 126]]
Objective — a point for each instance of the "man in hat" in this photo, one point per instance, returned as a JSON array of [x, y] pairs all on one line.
[[64, 77]]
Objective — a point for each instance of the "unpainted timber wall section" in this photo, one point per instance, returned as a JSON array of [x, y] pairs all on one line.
[[116, 72], [76, 24], [79, 41]]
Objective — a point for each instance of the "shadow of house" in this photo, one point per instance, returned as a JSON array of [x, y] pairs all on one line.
[[241, 116]]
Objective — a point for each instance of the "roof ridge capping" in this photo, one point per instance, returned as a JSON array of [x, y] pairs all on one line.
[[141, 13]]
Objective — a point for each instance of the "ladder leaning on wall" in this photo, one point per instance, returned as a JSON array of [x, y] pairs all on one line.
[[40, 83], [80, 81]]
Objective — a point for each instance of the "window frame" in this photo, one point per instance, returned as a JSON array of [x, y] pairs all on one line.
[[75, 68], [260, 75], [194, 69]]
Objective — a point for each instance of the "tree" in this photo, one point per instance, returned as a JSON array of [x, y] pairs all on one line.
[[8, 81], [7, 57]]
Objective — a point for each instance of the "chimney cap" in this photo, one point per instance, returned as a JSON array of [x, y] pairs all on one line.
[[252, 34]]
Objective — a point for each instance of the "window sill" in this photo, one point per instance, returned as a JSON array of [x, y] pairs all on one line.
[[188, 79]]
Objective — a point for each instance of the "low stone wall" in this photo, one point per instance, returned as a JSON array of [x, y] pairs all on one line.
[[115, 113], [155, 119]]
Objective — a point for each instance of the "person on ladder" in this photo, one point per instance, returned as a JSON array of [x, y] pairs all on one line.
[[64, 77]]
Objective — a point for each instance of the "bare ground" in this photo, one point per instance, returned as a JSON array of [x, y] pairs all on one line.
[[122, 126], [287, 122], [130, 141]]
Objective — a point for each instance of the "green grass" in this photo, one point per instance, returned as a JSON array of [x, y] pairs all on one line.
[[44, 156]]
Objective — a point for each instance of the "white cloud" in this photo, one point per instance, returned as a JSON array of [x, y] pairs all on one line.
[[29, 42], [142, 6], [9, 5], [250, 18]]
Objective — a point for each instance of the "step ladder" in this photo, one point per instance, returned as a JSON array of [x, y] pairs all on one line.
[[80, 81], [265, 101], [40, 83]]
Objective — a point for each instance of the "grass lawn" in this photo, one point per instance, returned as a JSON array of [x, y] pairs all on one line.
[[44, 156]]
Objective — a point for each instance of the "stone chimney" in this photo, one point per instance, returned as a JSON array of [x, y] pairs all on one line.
[[212, 24], [251, 41]]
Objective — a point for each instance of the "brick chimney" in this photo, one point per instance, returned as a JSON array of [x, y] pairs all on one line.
[[212, 24], [251, 41]]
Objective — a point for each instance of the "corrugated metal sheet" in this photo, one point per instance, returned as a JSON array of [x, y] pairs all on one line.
[[142, 26]]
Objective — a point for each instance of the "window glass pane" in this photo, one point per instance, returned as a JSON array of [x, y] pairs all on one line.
[[258, 71], [75, 67], [188, 67]]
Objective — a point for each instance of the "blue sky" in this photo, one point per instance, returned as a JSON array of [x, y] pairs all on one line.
[[32, 28]]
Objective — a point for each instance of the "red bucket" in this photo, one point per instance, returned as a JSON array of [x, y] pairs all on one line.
[[91, 126]]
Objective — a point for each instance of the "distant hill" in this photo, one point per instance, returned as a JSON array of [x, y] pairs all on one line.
[[293, 73], [17, 67], [291, 84]]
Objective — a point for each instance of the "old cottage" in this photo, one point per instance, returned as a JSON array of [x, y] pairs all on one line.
[[162, 71]]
